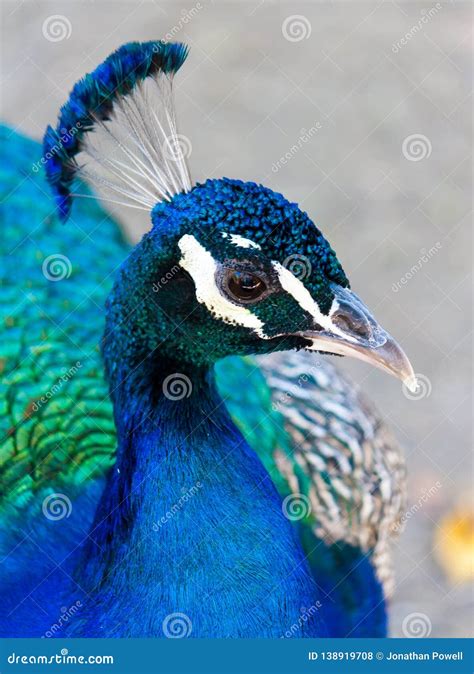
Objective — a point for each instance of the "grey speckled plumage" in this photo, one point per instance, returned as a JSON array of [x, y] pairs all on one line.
[[332, 439], [356, 468]]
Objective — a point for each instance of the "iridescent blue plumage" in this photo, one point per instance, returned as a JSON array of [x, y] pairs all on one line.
[[207, 281], [264, 216], [92, 99]]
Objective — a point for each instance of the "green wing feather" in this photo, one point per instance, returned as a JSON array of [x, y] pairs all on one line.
[[314, 433], [56, 419], [57, 424]]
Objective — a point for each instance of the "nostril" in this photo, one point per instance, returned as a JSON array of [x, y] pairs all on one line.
[[352, 325]]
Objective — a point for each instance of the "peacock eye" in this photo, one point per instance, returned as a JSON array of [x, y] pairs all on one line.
[[244, 286]]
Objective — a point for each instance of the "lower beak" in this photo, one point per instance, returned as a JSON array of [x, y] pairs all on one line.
[[354, 332]]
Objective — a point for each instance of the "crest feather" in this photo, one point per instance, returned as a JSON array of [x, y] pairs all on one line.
[[134, 151]]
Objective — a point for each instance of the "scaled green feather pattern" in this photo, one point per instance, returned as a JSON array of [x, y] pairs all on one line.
[[56, 418], [316, 436]]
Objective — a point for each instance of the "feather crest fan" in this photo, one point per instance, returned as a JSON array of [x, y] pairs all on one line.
[[118, 130]]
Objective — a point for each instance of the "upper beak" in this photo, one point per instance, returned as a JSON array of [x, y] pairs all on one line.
[[353, 331]]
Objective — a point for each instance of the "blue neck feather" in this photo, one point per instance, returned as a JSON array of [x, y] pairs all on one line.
[[190, 522]]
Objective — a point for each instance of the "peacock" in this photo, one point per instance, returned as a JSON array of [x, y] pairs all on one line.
[[180, 457]]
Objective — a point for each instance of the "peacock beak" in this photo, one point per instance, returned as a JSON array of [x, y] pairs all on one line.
[[352, 331]]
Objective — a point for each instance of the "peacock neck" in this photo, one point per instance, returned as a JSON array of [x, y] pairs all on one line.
[[190, 522]]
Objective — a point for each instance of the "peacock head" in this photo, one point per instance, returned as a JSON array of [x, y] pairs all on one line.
[[234, 268], [229, 267]]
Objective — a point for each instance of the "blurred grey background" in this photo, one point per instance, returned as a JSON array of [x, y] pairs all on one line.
[[368, 104]]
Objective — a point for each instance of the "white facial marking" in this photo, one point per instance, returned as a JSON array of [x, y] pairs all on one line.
[[241, 241], [201, 266], [301, 294]]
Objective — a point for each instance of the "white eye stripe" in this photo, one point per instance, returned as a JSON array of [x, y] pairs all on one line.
[[241, 241], [294, 287], [202, 267]]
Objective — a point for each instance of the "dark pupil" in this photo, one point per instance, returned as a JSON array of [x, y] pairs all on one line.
[[245, 286]]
